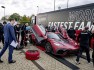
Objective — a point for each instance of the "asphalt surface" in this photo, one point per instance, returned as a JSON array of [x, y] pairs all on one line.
[[45, 62]]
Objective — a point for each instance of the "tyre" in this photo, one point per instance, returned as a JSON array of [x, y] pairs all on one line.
[[32, 54], [48, 47]]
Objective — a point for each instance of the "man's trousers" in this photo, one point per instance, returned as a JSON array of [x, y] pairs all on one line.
[[11, 48]]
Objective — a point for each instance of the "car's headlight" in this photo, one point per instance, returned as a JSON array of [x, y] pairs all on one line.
[[57, 44], [75, 43]]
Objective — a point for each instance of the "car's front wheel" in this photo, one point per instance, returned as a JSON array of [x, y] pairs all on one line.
[[48, 47]]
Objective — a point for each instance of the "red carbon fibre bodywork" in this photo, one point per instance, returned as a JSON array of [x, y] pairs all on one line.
[[57, 45], [70, 45]]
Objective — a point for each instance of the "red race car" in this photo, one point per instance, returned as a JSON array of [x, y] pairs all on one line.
[[52, 42], [59, 46], [62, 33]]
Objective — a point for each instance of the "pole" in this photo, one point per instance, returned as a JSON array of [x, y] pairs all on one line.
[[4, 14], [4, 11], [38, 9], [54, 5], [67, 3]]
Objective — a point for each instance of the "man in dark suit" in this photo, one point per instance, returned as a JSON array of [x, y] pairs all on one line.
[[9, 36]]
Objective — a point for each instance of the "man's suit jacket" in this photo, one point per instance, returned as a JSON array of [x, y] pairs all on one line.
[[9, 33]]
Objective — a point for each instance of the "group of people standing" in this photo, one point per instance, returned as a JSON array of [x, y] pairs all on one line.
[[10, 32], [84, 40]]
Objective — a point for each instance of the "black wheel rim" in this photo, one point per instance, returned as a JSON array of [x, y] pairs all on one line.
[[48, 47]]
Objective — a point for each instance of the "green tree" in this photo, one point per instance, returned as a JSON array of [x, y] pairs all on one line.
[[25, 19], [4, 18], [16, 16]]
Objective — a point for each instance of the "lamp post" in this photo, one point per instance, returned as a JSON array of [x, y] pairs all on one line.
[[37, 9], [54, 5], [67, 3], [4, 11]]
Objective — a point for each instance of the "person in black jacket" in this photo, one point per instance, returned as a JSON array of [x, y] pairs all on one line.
[[23, 29], [93, 43], [84, 38], [4, 23], [17, 31], [1, 33], [71, 32]]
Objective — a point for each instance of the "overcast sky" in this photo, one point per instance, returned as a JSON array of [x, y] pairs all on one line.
[[29, 7]]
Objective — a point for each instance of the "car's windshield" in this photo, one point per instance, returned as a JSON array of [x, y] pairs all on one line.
[[61, 37], [52, 36]]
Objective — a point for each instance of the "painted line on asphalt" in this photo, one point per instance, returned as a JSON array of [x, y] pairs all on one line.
[[34, 62], [39, 67], [65, 62]]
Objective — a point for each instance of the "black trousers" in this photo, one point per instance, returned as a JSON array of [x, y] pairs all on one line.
[[22, 38], [93, 54], [2, 39], [17, 36], [86, 49]]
